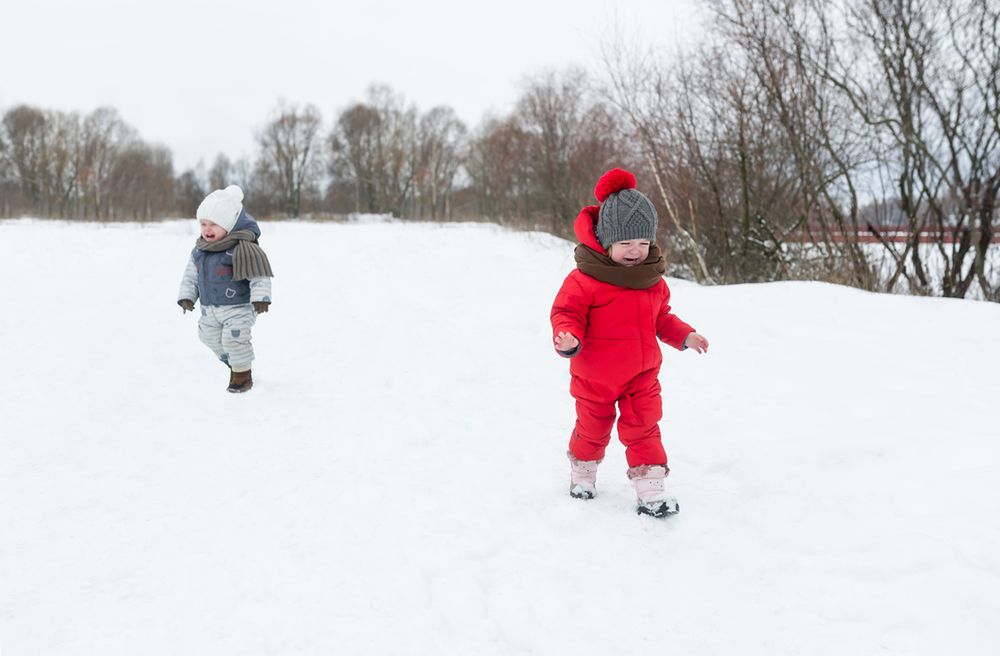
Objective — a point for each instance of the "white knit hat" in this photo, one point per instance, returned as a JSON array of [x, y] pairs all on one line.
[[222, 207]]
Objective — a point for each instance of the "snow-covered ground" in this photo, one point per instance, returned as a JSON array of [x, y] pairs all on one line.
[[395, 483]]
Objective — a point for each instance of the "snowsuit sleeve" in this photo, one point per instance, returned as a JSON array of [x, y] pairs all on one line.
[[569, 312], [669, 328], [189, 282], [260, 289]]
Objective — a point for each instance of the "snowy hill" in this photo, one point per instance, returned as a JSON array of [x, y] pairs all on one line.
[[395, 483]]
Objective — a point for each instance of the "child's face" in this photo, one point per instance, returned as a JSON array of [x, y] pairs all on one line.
[[212, 231], [629, 253]]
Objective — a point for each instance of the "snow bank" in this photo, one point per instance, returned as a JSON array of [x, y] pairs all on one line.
[[395, 483]]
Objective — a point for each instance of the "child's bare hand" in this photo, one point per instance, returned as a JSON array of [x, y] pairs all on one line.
[[566, 342], [696, 342]]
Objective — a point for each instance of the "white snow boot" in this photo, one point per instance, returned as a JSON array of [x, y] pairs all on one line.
[[652, 499], [582, 477]]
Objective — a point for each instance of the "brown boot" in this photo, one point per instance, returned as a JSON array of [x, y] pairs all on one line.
[[240, 381]]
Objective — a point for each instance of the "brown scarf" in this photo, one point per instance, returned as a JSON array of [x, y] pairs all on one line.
[[249, 259], [601, 266]]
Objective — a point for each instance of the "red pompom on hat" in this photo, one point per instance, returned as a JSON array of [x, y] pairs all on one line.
[[613, 181]]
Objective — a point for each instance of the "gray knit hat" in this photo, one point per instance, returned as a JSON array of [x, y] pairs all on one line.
[[625, 212]]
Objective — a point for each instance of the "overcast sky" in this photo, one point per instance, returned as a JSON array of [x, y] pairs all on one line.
[[201, 76]]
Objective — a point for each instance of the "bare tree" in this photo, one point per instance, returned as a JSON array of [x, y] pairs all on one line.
[[354, 145], [220, 175], [921, 76], [96, 167], [641, 91], [8, 181], [820, 149], [105, 134], [63, 160], [550, 110], [290, 155], [141, 182], [497, 167], [939, 69], [538, 166], [396, 151], [440, 139], [374, 149], [189, 191], [788, 125], [24, 129]]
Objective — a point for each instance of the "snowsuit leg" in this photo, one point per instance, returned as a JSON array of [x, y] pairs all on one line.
[[592, 432], [595, 417], [210, 332], [638, 428], [236, 327], [226, 329]]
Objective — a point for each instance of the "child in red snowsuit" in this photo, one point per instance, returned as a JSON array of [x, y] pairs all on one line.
[[606, 317]]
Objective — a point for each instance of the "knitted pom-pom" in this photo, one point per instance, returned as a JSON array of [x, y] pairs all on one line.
[[613, 181], [235, 193]]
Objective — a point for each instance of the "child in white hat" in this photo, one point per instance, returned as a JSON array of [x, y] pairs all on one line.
[[231, 276]]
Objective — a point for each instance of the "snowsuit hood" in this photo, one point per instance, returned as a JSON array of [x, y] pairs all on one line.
[[246, 222], [583, 227]]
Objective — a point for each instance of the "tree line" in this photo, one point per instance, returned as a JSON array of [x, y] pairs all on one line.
[[855, 141]]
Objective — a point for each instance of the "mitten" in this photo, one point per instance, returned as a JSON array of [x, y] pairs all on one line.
[[186, 304], [260, 306]]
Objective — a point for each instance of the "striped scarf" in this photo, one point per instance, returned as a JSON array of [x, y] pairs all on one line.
[[249, 259]]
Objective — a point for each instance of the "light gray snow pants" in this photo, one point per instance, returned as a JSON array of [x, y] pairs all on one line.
[[226, 330]]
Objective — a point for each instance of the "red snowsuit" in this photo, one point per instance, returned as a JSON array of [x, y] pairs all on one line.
[[618, 358]]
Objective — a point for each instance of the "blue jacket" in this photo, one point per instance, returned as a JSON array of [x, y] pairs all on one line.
[[215, 271]]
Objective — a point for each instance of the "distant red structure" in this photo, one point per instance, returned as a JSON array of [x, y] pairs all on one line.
[[890, 233]]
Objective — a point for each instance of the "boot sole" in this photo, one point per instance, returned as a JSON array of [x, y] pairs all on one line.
[[662, 510]]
